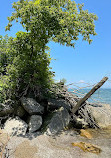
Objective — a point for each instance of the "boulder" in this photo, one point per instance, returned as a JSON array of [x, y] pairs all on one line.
[[102, 114], [31, 106], [20, 111], [35, 123], [15, 126], [5, 109], [54, 104], [60, 119]]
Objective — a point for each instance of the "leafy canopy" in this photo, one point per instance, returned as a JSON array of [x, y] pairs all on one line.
[[59, 20]]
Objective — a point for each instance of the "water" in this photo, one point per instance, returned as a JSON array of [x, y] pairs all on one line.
[[102, 95]]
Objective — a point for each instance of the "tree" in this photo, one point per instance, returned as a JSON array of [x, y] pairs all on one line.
[[44, 20], [61, 21]]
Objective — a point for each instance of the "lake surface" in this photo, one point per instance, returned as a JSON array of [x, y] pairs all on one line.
[[102, 95]]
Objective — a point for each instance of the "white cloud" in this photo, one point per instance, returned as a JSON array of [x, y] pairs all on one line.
[[81, 81]]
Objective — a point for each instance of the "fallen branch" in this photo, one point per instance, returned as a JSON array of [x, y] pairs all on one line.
[[81, 101]]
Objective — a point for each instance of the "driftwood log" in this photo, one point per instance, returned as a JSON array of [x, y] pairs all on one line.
[[82, 101]]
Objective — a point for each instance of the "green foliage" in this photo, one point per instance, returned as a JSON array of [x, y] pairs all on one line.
[[26, 67], [61, 21], [63, 81], [24, 62], [3, 53]]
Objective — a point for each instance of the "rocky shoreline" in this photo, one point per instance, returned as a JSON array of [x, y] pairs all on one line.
[[33, 122], [51, 116]]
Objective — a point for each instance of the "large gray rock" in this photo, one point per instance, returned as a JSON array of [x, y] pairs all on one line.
[[58, 122], [102, 114], [54, 104], [5, 109], [15, 126], [31, 106], [35, 123]]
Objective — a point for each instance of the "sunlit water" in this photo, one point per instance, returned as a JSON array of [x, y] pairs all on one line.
[[101, 95]]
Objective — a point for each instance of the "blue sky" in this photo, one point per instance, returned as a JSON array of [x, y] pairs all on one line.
[[86, 62]]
